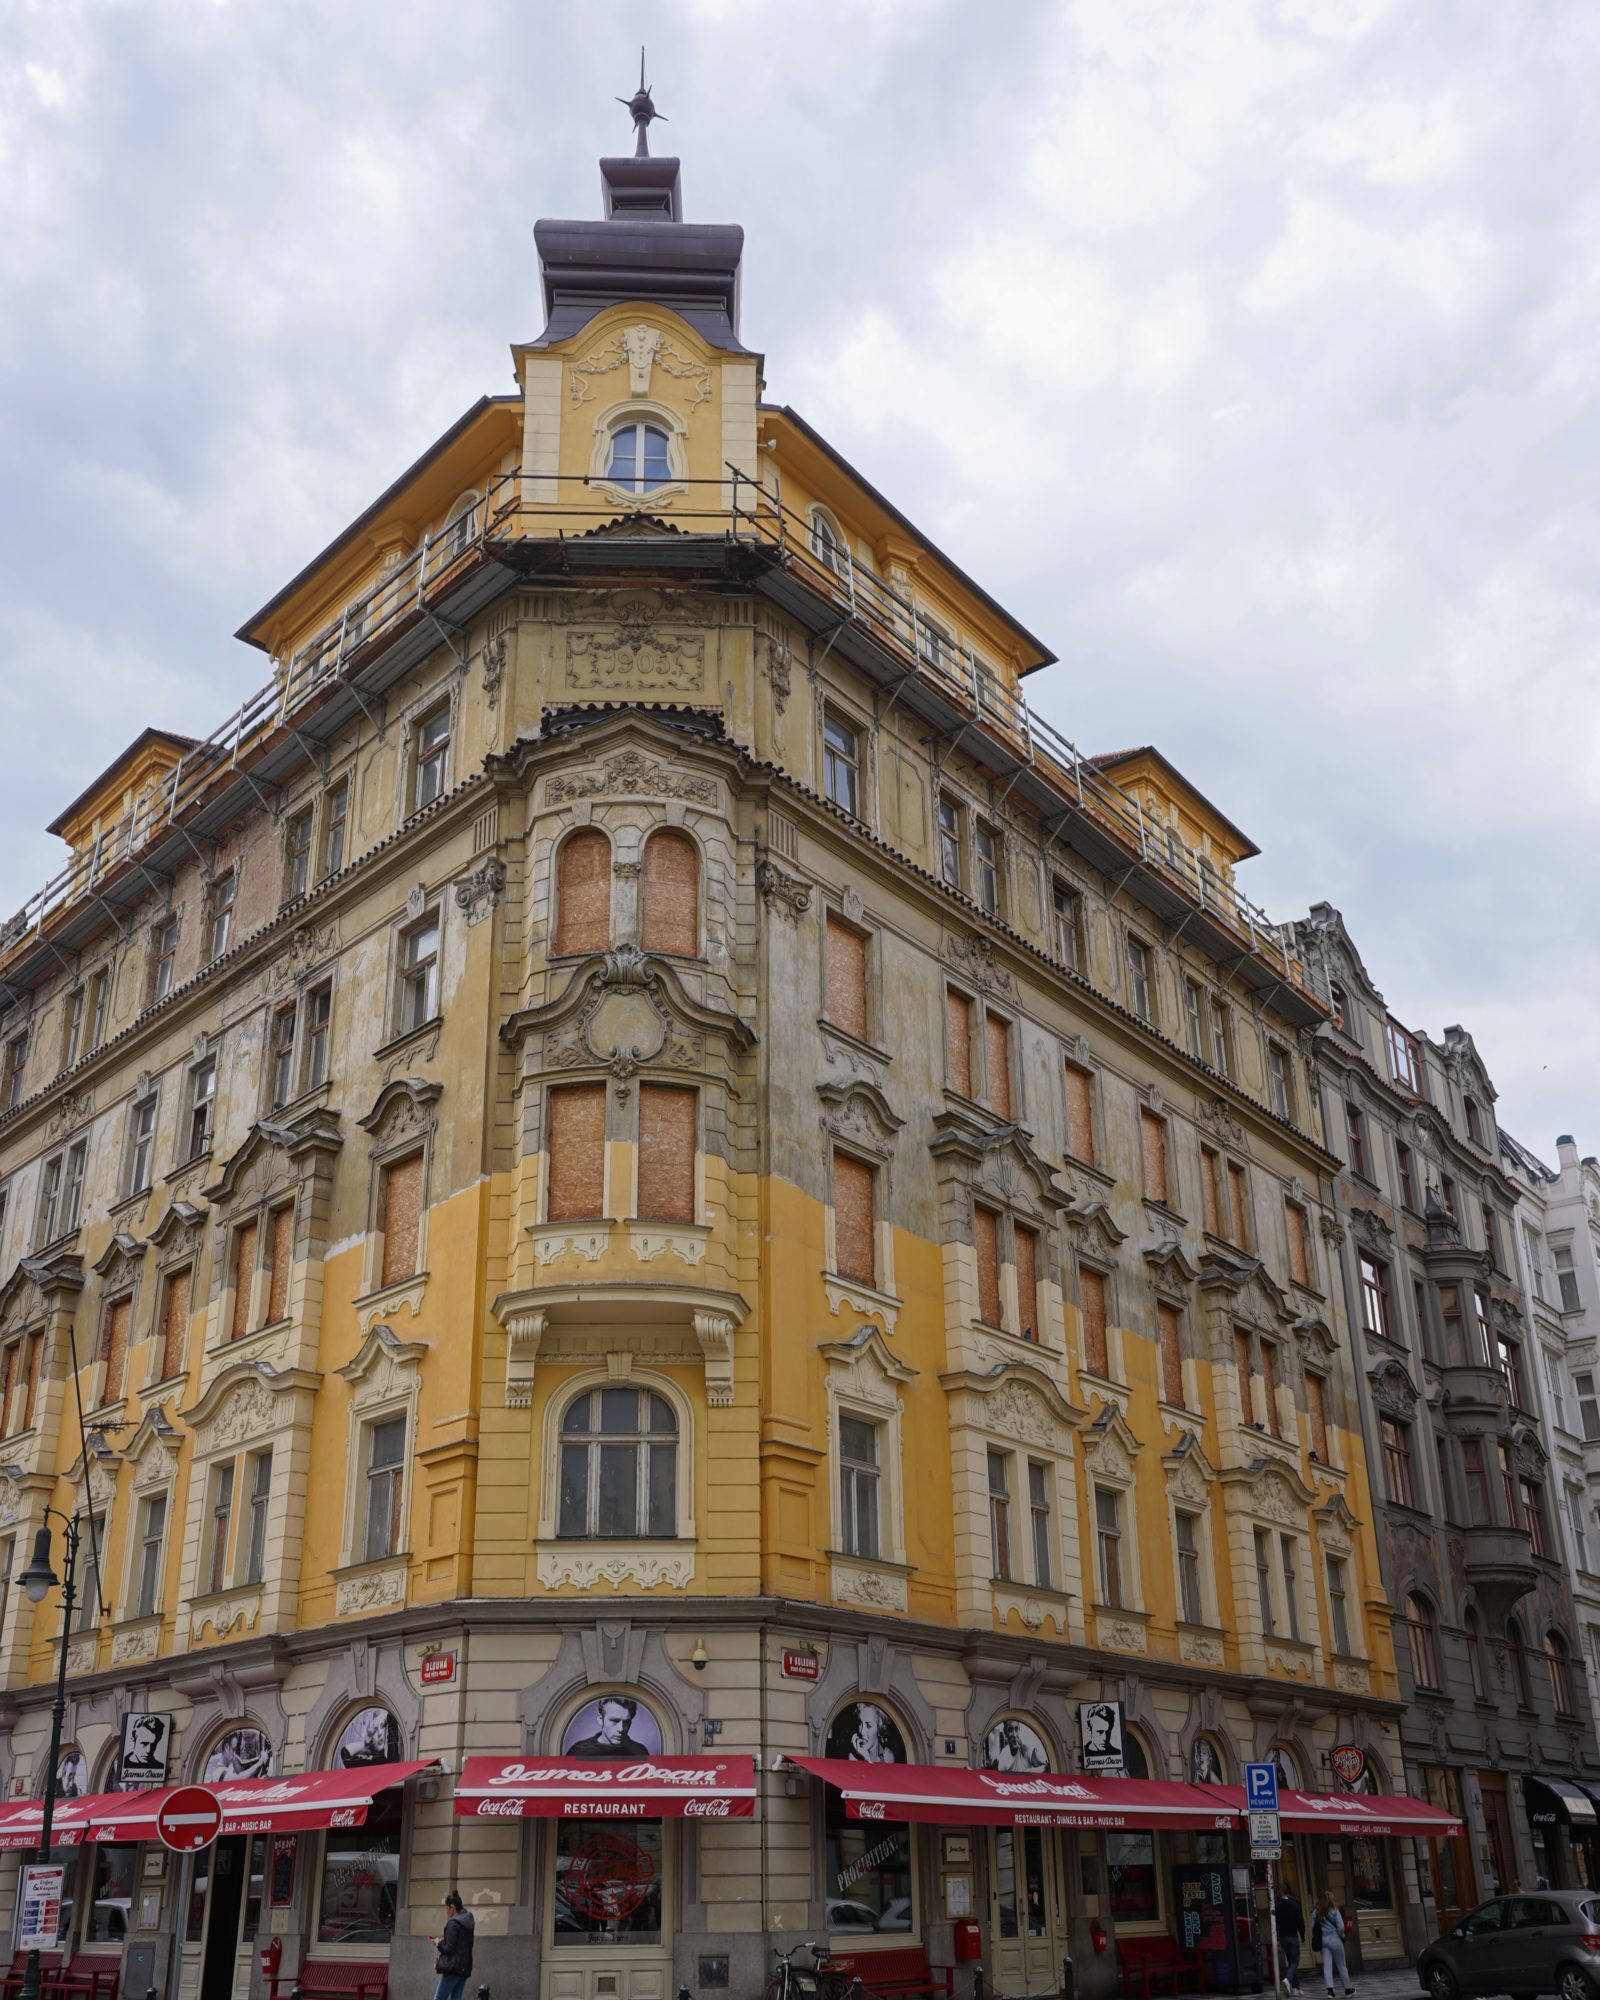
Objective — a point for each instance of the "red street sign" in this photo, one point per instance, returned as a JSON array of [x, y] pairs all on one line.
[[802, 1665], [189, 1820], [438, 1667]]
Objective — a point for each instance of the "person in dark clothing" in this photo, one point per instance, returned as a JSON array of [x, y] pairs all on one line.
[[1291, 1922], [454, 1963]]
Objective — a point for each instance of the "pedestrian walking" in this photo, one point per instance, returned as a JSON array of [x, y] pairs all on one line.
[[454, 1963], [1290, 1919], [1327, 1936]]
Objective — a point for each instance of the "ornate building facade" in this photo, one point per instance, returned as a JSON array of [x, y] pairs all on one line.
[[635, 1161]]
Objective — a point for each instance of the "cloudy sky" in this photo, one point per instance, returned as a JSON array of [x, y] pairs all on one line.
[[1247, 348]]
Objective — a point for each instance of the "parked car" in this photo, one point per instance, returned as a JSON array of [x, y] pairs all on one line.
[[1547, 1942]]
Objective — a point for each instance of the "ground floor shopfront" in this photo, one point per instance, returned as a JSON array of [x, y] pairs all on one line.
[[650, 1797]]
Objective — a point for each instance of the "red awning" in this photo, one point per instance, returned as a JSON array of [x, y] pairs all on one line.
[[22, 1822], [950, 1796], [306, 1804], [1348, 1815], [583, 1788]]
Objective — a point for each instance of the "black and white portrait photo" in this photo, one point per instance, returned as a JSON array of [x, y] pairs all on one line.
[[613, 1726], [144, 1745], [1014, 1746], [1205, 1766], [1100, 1738], [371, 1736], [243, 1753], [865, 1733], [72, 1775]]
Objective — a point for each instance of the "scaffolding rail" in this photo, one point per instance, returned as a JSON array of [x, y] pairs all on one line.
[[738, 510]]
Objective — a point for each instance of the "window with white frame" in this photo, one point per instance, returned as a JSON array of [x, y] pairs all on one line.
[[1191, 1592], [139, 1159], [335, 829], [999, 1465], [151, 1549], [619, 1464], [860, 1486], [640, 457], [1041, 1523], [218, 1527], [430, 756], [1141, 977], [297, 837], [163, 958], [952, 843], [383, 1466], [417, 975], [1264, 1603], [297, 1044], [1338, 1605], [1588, 1404], [202, 1107], [1566, 1277], [1108, 1546], [258, 1491], [220, 900], [1288, 1559], [1066, 906], [16, 1064], [61, 1192], [841, 762], [1280, 1081], [827, 541], [986, 851], [93, 1546]]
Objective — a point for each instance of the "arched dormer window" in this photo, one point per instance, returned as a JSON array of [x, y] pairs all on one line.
[[583, 892], [619, 1465], [463, 522], [640, 458], [827, 541], [670, 913]]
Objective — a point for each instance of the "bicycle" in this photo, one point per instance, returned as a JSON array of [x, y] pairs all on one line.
[[816, 1981]]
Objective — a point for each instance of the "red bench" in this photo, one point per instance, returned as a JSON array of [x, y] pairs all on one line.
[[11, 1983], [333, 1979], [900, 1973], [91, 1975], [1149, 1962]]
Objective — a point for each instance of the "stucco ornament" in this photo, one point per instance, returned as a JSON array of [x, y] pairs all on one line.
[[641, 350], [245, 1412], [631, 774]]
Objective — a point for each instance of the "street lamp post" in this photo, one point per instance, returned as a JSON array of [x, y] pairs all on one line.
[[38, 1579]]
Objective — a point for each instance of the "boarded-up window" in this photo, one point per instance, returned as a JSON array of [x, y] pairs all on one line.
[[847, 979], [577, 1144], [114, 1347], [175, 1322], [1317, 1411], [997, 1040], [1211, 1190], [1080, 1115], [401, 1219], [583, 892], [1171, 1355], [1092, 1305], [244, 1274], [280, 1248], [986, 1235], [670, 920], [668, 1131], [1238, 1206], [1027, 1283], [1241, 1355], [854, 1220], [1153, 1140], [958, 1041], [1299, 1247]]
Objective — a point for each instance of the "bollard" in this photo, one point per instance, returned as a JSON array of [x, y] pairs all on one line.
[[855, 1988], [683, 1991], [977, 1982], [484, 1993], [1069, 1981]]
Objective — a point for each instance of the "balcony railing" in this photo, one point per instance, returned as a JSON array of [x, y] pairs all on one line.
[[739, 510]]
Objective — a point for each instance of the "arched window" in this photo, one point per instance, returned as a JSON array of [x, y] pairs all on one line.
[[462, 524], [640, 458], [670, 917], [1559, 1662], [869, 1861], [619, 1465], [583, 892], [370, 1736], [1520, 1685], [827, 543], [1135, 1758], [1423, 1640], [1474, 1637]]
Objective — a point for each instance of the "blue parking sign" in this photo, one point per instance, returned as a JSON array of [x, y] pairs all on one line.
[[1261, 1787]]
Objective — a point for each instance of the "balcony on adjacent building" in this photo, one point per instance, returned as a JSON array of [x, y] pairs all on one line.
[[1499, 1569]]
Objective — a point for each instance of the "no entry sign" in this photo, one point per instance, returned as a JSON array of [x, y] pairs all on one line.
[[189, 1820]]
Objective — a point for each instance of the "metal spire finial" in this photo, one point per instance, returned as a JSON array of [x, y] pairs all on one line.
[[641, 107]]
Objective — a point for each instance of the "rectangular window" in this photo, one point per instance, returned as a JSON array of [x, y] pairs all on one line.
[[1291, 1585], [1191, 1603], [386, 1451], [1533, 1513], [1566, 1278], [847, 978], [221, 1524], [958, 1041], [1221, 1037], [175, 1323], [1280, 1081], [418, 998], [841, 763], [72, 1186], [116, 1322], [1474, 1121], [1509, 1353], [1534, 1244], [986, 851], [141, 1144], [858, 1488], [1170, 1337], [1108, 1544], [1153, 1154], [1408, 1182], [1355, 1128], [72, 1028], [1441, 1465], [152, 1543], [163, 957], [1555, 1382], [94, 1552], [99, 996], [669, 1137], [202, 1107], [1026, 1253], [1580, 1531], [255, 1558], [577, 1150], [1475, 1473], [1211, 1192], [280, 1267], [1338, 1606], [219, 913], [281, 1055], [1317, 1418], [1447, 1188], [244, 1277], [1139, 989], [297, 855], [1244, 1364], [1375, 1316], [430, 752], [950, 843], [1508, 1484], [335, 817], [315, 1030], [1239, 1205], [1299, 1243], [1194, 1026], [1269, 1618], [1398, 1471], [854, 1220], [986, 1238], [1000, 1515], [1405, 1059], [1269, 1386], [1491, 1236], [997, 1048], [1067, 906], [400, 1211], [1044, 1561], [16, 1067], [1080, 1115], [1092, 1306], [1588, 1405]]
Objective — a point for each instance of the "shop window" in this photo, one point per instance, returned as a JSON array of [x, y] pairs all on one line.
[[1080, 1115], [576, 1152], [1092, 1311], [669, 1127], [867, 1863], [111, 1899], [846, 972], [619, 1465], [854, 1219], [359, 1886], [1133, 1886], [958, 1041], [670, 894], [115, 1321], [860, 1488]]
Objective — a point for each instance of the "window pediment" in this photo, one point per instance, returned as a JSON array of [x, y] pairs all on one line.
[[1093, 1224], [1273, 1491], [1393, 1391], [1110, 1446], [858, 1113], [273, 1159], [623, 1010], [152, 1451], [120, 1263], [1014, 1401], [403, 1109], [94, 1477], [1336, 1526], [1251, 1294], [865, 1365], [1190, 1474], [248, 1401], [998, 1160], [1170, 1266], [1316, 1337], [383, 1367], [1527, 1449], [180, 1231]]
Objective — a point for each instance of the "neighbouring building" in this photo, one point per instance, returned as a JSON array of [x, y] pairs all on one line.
[[708, 1290], [1470, 1490]]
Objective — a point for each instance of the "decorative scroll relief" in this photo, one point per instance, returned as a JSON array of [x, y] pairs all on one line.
[[1016, 1410], [371, 1590], [1122, 1635], [638, 650], [585, 1566], [879, 1590], [136, 1642], [240, 1609], [524, 1332], [245, 1412], [871, 1305], [81, 1654], [785, 893], [1352, 1678], [1034, 1610], [304, 950], [1200, 1649], [714, 1331], [641, 350], [479, 894], [563, 1241], [1288, 1663], [631, 774], [649, 1243]]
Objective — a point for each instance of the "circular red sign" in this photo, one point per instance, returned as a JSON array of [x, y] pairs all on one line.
[[189, 1820], [609, 1877]]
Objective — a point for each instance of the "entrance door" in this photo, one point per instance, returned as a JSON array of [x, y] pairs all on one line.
[[1497, 1821], [224, 1903], [1025, 1904]]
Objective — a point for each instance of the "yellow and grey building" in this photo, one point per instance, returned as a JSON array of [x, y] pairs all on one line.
[[637, 1124]]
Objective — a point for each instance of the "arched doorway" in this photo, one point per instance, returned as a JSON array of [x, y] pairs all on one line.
[[227, 1880]]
